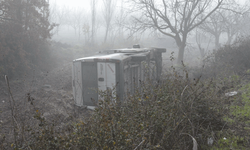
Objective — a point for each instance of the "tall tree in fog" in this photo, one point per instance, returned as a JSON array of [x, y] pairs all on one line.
[[86, 33], [25, 28], [61, 16], [76, 21], [229, 19], [93, 21], [174, 18], [245, 30], [233, 22], [120, 20], [53, 17], [108, 13], [214, 25]]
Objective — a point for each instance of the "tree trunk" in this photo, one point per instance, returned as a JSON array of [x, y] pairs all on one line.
[[79, 32], [229, 39], [181, 44], [181, 54], [202, 51], [93, 5], [217, 41], [106, 33]]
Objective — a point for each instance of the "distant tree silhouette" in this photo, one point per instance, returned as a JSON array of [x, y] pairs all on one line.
[[108, 14]]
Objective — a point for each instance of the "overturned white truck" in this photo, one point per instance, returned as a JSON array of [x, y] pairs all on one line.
[[119, 69]]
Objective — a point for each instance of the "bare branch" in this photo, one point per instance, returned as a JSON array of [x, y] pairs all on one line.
[[175, 18], [202, 20]]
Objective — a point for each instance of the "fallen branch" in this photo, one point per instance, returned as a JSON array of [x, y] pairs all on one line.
[[139, 144], [195, 144], [12, 106]]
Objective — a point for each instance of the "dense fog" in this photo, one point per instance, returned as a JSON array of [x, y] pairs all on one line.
[[190, 29], [190, 90], [116, 24]]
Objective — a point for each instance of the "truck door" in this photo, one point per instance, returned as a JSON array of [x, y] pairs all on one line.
[[106, 76], [77, 83], [89, 75]]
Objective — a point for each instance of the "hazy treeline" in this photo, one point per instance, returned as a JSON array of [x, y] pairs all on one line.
[[115, 22], [101, 22]]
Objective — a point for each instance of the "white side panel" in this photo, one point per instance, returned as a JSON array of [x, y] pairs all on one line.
[[77, 83], [111, 75], [126, 75], [101, 71], [111, 78]]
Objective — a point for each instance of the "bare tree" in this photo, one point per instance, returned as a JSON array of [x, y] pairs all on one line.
[[232, 25], [62, 17], [53, 17], [174, 18], [86, 32], [93, 21], [234, 21], [203, 41], [120, 19], [108, 13], [214, 25], [76, 21], [229, 19], [244, 30]]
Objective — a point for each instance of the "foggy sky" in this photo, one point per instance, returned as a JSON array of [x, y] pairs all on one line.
[[86, 3]]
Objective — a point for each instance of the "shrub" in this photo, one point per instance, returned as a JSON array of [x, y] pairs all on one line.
[[159, 115], [228, 60]]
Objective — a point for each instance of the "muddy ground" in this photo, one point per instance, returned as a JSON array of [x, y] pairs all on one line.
[[48, 93]]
